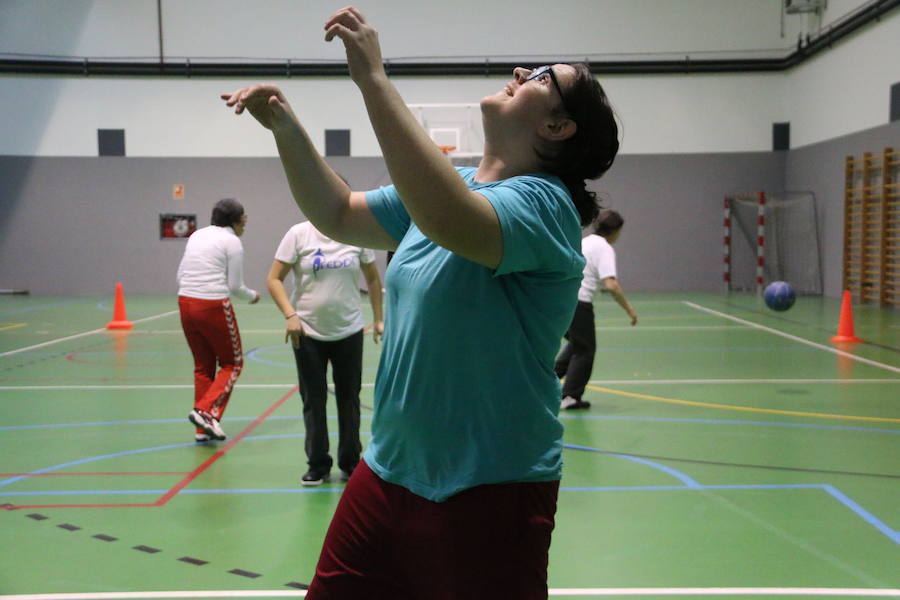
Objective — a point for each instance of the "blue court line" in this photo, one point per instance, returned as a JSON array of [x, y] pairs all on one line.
[[254, 356], [869, 517], [184, 352], [682, 488], [729, 349], [152, 422], [564, 417], [255, 353], [88, 493], [94, 459], [298, 490], [668, 470], [689, 483], [861, 512], [82, 461], [735, 422], [118, 423]]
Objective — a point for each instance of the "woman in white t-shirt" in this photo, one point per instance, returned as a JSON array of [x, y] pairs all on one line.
[[576, 360], [325, 325]]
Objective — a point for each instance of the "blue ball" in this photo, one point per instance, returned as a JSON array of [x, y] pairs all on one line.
[[779, 296]]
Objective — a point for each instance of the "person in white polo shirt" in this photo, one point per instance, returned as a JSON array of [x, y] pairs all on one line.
[[324, 324], [576, 360], [211, 270]]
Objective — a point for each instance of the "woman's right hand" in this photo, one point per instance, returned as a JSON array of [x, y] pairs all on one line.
[[294, 331], [266, 103], [360, 42]]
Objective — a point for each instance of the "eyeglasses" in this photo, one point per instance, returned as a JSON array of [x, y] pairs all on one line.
[[539, 72]]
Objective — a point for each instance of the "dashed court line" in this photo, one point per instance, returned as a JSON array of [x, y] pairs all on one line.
[[191, 560]]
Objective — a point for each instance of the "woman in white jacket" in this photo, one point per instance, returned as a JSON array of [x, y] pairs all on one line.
[[211, 271]]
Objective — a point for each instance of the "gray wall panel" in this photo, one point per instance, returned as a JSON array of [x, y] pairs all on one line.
[[77, 225], [820, 168], [672, 204]]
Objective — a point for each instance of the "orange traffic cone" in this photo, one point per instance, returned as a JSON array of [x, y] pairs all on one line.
[[120, 321], [845, 324]]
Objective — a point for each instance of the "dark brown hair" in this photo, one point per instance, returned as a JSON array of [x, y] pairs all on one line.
[[227, 212], [590, 152], [608, 222]]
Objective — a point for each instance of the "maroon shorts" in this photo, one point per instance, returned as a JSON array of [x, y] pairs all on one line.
[[488, 542]]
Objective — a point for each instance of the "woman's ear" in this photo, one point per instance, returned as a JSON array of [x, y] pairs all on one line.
[[558, 129]]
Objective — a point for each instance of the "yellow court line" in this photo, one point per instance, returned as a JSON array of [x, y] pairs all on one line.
[[13, 326], [772, 411]]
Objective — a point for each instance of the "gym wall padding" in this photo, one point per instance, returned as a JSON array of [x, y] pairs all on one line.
[[77, 225]]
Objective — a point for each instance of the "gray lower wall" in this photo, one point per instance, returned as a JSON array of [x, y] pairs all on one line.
[[672, 205], [76, 225], [820, 168], [79, 225]]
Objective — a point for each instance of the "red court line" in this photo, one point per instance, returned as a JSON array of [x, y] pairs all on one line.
[[208, 462], [164, 499], [90, 474]]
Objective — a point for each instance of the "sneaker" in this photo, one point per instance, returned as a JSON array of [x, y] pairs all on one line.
[[207, 423], [217, 431], [201, 437], [312, 477], [570, 403]]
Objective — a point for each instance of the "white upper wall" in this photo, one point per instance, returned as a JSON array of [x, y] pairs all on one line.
[[847, 88], [843, 90], [409, 28]]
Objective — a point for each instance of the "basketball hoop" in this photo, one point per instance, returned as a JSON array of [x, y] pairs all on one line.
[[447, 149]]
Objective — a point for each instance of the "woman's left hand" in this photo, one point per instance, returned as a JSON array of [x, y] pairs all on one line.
[[293, 330], [360, 41], [377, 331]]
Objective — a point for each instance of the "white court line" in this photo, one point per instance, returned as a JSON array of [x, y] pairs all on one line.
[[724, 592], [730, 381], [181, 331], [186, 386], [78, 335], [667, 327], [272, 386], [862, 592], [867, 361]]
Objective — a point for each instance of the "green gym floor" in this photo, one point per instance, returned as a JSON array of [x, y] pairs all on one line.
[[729, 451]]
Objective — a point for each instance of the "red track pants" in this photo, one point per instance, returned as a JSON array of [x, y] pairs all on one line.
[[212, 333]]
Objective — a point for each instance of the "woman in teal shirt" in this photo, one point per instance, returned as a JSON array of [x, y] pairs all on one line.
[[456, 493]]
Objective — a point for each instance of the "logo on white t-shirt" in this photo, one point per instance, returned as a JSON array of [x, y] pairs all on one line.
[[319, 262]]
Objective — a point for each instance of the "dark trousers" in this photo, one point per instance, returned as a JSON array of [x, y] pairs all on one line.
[[312, 359], [576, 360]]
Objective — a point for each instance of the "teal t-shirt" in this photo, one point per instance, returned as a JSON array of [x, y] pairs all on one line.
[[465, 393]]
